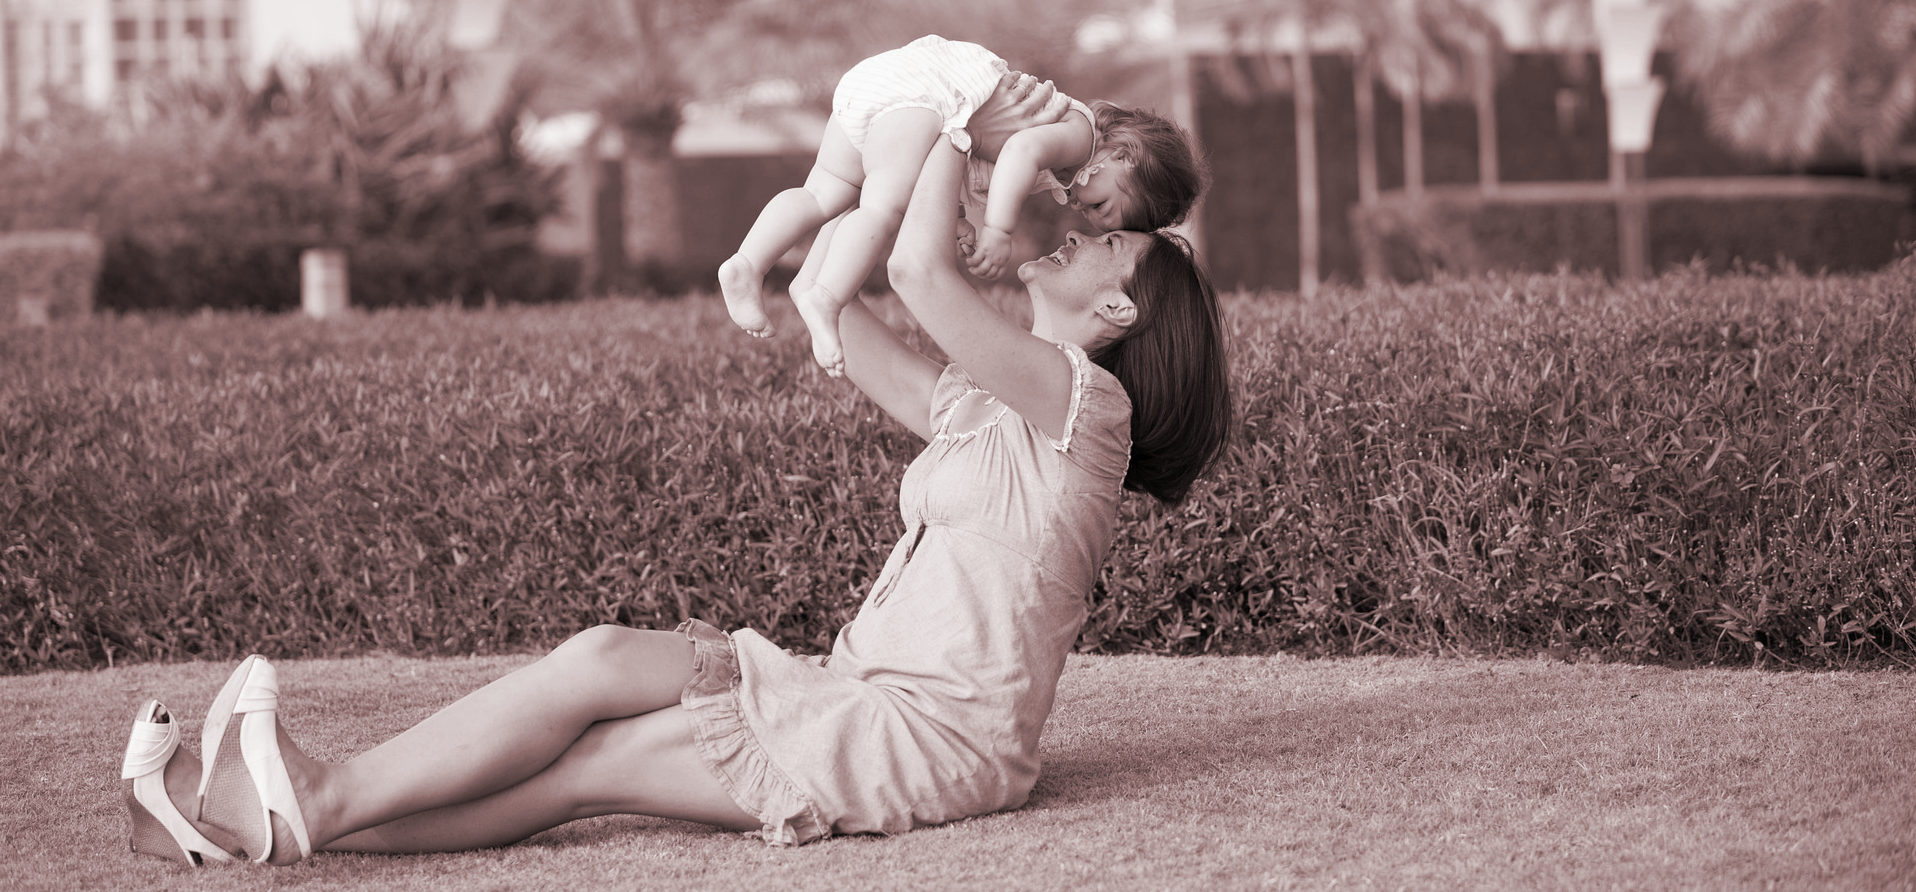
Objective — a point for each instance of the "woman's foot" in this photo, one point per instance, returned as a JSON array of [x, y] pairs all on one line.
[[161, 777], [245, 787], [740, 283], [819, 307]]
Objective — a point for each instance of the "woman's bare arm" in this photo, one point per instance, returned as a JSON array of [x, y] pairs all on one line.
[[1024, 371], [893, 373], [1020, 102]]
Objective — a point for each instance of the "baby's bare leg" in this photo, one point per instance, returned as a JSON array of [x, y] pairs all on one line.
[[831, 187], [815, 257], [895, 150]]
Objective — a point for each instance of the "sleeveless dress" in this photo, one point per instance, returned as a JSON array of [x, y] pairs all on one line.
[[928, 707]]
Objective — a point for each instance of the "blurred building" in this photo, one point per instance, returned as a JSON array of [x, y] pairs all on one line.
[[97, 52]]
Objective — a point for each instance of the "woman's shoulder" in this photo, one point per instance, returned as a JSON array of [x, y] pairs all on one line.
[[953, 383], [1100, 407]]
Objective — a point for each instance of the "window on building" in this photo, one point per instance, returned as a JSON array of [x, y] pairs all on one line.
[[196, 28], [229, 28], [126, 30], [159, 30], [124, 70]]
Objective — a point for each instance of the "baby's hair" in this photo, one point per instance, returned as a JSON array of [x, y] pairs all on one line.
[[1167, 176]]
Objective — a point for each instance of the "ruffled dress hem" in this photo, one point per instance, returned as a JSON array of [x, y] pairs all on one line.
[[732, 751]]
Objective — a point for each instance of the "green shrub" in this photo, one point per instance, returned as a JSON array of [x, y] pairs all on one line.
[[1693, 469], [47, 274], [210, 201]]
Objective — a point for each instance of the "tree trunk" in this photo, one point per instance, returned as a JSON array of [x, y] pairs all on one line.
[[1485, 89], [653, 234], [1366, 106], [1414, 141], [606, 270], [1304, 90]]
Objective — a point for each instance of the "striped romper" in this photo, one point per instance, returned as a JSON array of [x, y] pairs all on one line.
[[950, 77]]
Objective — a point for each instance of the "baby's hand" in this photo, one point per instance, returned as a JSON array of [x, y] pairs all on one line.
[[967, 237], [989, 255]]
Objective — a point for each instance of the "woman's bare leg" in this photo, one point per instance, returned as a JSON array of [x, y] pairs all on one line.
[[830, 188], [508, 732], [895, 150], [646, 764]]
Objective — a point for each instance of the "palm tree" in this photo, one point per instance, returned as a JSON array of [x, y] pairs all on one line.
[[1422, 50], [1255, 29], [637, 63], [1789, 78]]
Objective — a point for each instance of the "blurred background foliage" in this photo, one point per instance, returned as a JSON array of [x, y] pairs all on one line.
[[206, 198], [205, 192]]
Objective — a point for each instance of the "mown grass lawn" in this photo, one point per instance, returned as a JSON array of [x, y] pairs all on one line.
[[1173, 773]]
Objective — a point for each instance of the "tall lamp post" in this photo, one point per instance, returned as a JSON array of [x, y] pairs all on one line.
[[1627, 39]]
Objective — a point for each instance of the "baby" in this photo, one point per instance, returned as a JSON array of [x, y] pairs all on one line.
[[1121, 168]]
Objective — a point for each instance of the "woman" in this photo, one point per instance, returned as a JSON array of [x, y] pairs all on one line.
[[929, 706]]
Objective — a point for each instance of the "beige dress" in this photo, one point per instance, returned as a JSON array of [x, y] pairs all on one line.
[[929, 706]]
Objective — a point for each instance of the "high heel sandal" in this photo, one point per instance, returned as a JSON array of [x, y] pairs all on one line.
[[244, 787], [158, 828]]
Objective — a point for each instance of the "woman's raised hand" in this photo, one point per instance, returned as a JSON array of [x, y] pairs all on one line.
[[1019, 102]]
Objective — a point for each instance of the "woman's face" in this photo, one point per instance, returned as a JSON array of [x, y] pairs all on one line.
[[1084, 265]]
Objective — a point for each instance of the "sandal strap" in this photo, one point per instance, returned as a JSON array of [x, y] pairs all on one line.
[[261, 692], [148, 748]]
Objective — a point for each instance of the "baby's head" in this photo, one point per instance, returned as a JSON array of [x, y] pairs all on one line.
[[1153, 165]]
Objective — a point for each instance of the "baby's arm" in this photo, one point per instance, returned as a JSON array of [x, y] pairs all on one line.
[[1064, 144]]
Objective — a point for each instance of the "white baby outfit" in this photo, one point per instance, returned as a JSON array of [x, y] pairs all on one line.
[[950, 77]]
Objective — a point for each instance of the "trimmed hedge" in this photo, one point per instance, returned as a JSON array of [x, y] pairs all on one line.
[[1833, 225], [1693, 469], [46, 275]]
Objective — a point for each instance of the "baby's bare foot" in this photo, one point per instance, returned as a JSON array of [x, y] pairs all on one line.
[[820, 308], [740, 283]]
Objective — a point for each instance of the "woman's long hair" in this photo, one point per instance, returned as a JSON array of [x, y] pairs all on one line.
[[1172, 363]]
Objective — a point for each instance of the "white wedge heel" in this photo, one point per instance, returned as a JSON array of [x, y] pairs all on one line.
[[157, 826], [244, 787]]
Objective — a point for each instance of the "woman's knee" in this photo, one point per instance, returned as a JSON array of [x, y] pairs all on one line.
[[634, 666], [591, 653], [595, 640]]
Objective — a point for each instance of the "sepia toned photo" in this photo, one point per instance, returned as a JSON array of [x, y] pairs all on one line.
[[902, 444]]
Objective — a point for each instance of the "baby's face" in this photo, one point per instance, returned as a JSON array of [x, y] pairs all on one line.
[[1097, 191]]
